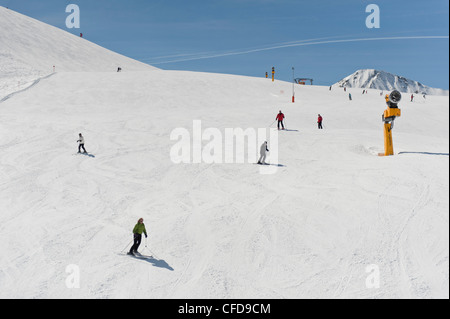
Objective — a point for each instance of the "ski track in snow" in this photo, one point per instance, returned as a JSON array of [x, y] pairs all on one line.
[[33, 83]]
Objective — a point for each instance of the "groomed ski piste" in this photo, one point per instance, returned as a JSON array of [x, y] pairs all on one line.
[[334, 221]]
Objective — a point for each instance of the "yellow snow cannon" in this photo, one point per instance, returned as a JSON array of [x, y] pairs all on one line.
[[388, 117]]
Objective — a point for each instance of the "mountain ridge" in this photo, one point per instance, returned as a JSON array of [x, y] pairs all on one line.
[[31, 49], [382, 80]]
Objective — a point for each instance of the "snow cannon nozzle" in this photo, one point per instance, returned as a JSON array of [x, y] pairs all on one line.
[[394, 98]]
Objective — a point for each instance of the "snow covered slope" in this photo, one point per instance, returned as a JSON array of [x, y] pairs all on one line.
[[29, 49], [381, 80], [332, 217]]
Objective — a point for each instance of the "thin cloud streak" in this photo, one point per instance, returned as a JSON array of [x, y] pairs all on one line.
[[296, 44]]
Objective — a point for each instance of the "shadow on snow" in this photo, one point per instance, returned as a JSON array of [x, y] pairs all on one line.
[[160, 263], [425, 153]]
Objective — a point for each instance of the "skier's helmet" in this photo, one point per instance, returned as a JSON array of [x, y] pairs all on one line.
[[395, 96]]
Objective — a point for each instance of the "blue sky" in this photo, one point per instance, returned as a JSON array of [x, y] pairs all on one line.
[[200, 35]]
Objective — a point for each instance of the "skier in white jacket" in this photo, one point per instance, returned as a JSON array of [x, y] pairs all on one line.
[[81, 144], [264, 149]]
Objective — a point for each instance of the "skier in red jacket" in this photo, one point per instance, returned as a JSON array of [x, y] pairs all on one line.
[[280, 118], [319, 121]]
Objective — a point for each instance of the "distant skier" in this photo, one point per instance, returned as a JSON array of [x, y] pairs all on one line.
[[350, 96], [412, 97], [263, 150], [280, 118], [119, 69], [319, 122], [81, 144], [137, 236]]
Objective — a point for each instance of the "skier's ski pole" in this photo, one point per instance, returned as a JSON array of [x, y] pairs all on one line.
[[146, 246], [272, 123], [126, 246], [151, 253]]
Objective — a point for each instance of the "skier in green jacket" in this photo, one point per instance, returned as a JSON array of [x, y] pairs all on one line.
[[137, 235]]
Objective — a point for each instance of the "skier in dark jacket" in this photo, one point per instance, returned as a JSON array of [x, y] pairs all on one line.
[[137, 236]]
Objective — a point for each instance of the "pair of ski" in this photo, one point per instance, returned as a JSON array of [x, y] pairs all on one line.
[[85, 154], [278, 165], [138, 255]]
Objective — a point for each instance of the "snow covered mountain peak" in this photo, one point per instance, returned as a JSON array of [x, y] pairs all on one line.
[[382, 80]]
